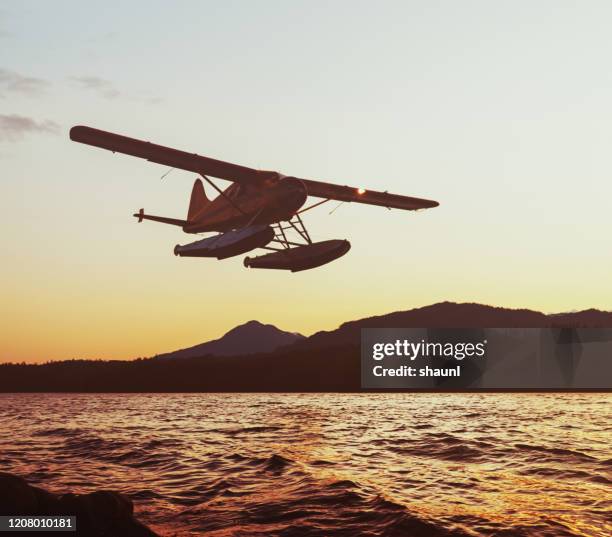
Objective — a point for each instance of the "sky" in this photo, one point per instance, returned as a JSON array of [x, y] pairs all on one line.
[[501, 111]]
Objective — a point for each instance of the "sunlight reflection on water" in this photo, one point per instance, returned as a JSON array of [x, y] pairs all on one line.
[[326, 464]]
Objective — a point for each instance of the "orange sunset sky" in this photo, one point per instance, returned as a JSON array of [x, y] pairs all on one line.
[[501, 112]]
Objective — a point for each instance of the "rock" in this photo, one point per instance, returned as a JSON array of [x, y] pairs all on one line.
[[99, 514]]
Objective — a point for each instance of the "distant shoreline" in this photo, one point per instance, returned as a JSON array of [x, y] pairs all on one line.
[[329, 362]]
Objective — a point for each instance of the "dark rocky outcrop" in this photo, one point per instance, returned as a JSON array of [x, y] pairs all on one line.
[[99, 514]]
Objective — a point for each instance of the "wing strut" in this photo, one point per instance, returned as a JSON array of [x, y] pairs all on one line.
[[223, 194], [313, 206], [337, 207], [303, 231], [280, 236]]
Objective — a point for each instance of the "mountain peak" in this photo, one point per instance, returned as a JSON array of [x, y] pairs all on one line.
[[248, 326], [251, 337]]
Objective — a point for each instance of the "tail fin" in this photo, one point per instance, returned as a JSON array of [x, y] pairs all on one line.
[[198, 200]]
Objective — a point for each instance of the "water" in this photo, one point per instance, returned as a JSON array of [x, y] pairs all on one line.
[[326, 464]]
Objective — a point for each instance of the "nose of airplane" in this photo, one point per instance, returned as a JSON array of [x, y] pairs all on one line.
[[293, 192]]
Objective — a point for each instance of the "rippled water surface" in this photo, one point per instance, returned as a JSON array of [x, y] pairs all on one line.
[[326, 464]]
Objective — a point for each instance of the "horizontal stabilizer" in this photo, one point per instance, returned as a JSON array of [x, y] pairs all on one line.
[[163, 219]]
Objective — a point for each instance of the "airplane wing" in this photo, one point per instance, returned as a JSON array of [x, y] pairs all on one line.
[[320, 189], [165, 155], [233, 172]]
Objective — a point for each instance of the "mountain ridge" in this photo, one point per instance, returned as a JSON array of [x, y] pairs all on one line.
[[325, 362], [454, 315]]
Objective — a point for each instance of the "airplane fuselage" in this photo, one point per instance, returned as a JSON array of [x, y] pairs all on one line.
[[242, 205]]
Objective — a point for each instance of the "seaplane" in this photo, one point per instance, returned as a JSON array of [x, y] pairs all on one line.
[[259, 210]]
